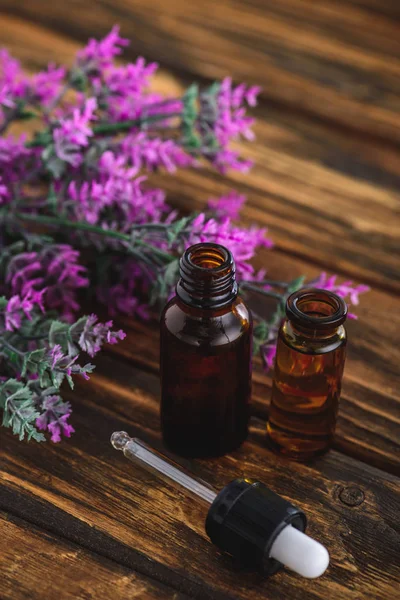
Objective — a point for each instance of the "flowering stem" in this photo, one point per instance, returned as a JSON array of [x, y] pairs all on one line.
[[245, 285], [12, 348], [43, 138], [283, 284], [126, 125], [79, 225]]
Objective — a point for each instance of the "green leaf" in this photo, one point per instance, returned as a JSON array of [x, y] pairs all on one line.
[[191, 141], [213, 89], [57, 377], [25, 115], [52, 199], [175, 229], [164, 282], [260, 335], [59, 334], [295, 285], [19, 410], [33, 361], [56, 167], [78, 80]]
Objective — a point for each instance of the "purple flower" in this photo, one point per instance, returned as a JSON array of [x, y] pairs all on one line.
[[347, 290], [12, 149], [225, 160], [117, 192], [59, 427], [123, 297], [131, 79], [15, 161], [227, 206], [4, 193], [243, 243], [150, 154], [5, 97], [56, 355], [13, 83], [54, 267], [73, 134], [66, 364], [54, 418], [268, 354], [120, 108], [224, 115], [232, 121], [95, 334], [46, 85], [100, 54], [19, 307]]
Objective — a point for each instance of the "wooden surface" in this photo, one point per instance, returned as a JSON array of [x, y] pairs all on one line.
[[65, 566], [78, 520]]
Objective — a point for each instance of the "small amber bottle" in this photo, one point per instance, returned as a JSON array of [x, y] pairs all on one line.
[[308, 374], [205, 360]]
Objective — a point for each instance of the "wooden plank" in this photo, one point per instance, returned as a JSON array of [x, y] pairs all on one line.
[[388, 8], [312, 212], [305, 175], [36, 564], [369, 413], [332, 59], [315, 187], [85, 486]]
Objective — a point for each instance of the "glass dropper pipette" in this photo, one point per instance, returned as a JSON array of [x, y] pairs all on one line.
[[245, 519]]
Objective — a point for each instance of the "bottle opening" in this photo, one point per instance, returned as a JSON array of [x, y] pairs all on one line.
[[209, 256], [207, 276], [316, 309]]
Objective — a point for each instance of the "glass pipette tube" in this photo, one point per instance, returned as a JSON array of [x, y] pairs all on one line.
[[140, 453]]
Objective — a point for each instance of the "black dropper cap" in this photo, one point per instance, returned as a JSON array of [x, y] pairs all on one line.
[[246, 518]]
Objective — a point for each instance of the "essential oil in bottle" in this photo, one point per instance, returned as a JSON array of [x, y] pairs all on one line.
[[308, 373], [206, 344]]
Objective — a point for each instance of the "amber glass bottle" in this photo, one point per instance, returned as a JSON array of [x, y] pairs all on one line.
[[206, 335], [308, 373]]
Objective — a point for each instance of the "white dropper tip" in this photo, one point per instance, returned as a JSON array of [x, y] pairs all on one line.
[[300, 553]]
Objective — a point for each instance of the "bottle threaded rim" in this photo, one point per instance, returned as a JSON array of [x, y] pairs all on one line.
[[314, 308], [207, 276]]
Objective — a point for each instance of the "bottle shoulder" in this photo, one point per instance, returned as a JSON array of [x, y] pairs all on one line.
[[312, 345], [198, 327]]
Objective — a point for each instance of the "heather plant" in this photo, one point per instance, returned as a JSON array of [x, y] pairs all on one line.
[[78, 216]]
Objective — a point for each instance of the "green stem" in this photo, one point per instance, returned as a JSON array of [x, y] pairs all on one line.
[[43, 138], [12, 348], [271, 282], [81, 226], [245, 285], [126, 125]]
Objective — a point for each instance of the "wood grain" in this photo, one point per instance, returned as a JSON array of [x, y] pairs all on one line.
[[325, 196], [38, 565], [332, 59], [86, 486], [326, 183]]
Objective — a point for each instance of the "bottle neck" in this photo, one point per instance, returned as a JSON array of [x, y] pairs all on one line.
[[315, 313], [207, 277]]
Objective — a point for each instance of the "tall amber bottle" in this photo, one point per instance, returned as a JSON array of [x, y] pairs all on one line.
[[206, 335], [308, 374]]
